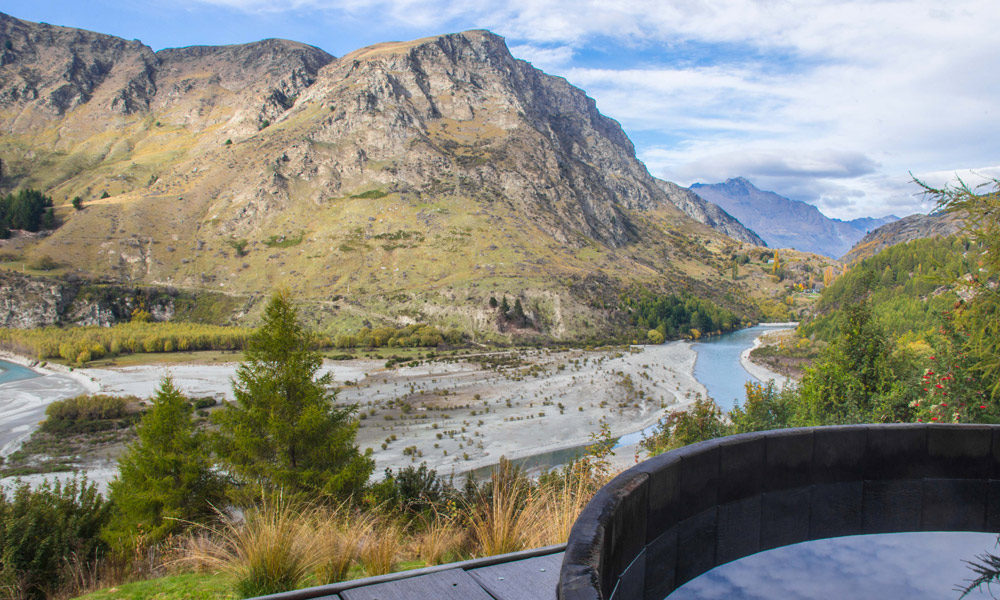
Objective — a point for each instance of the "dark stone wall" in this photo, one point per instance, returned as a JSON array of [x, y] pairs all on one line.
[[678, 515]]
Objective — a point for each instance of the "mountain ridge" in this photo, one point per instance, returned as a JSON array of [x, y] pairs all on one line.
[[908, 228], [407, 180], [786, 223]]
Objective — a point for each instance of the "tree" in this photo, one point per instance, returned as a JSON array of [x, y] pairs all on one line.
[[284, 431], [980, 317], [77, 203], [164, 478], [861, 377], [518, 313], [702, 422]]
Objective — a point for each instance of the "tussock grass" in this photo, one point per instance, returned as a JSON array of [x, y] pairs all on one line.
[[270, 550], [380, 547]]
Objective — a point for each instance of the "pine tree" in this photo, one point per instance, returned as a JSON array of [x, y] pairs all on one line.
[[284, 430], [518, 313], [164, 478]]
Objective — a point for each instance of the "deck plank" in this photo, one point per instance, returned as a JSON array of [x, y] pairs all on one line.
[[454, 584], [529, 579]]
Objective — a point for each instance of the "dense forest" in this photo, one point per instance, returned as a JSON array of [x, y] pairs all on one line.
[[27, 209], [909, 286], [671, 317]]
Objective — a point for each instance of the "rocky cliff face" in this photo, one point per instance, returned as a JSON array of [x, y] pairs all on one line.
[[906, 229], [708, 213], [786, 223], [440, 168], [27, 302]]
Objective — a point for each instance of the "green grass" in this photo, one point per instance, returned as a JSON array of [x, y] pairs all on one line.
[[187, 586]]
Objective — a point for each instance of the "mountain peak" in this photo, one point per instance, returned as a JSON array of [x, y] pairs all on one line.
[[786, 223]]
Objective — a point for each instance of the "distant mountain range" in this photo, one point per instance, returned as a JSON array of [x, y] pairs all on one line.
[[786, 223]]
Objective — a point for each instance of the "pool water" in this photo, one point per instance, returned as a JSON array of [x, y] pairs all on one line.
[[910, 566]]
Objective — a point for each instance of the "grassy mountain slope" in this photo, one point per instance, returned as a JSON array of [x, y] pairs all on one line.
[[404, 181]]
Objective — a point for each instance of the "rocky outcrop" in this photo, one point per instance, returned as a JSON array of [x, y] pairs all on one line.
[[786, 223], [27, 302], [906, 229], [50, 71], [708, 213]]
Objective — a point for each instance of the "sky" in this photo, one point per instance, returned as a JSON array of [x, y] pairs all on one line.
[[839, 103]]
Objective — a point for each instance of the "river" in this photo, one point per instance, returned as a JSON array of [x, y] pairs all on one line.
[[24, 394], [718, 368]]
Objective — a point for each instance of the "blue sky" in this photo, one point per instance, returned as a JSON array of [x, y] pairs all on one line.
[[832, 102]]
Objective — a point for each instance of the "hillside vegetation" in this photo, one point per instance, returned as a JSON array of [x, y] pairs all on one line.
[[909, 285], [405, 182]]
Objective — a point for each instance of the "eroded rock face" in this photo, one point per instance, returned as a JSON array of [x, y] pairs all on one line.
[[27, 302], [708, 213]]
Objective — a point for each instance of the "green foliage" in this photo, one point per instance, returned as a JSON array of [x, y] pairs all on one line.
[[860, 377], [410, 336], [47, 531], [680, 428], [284, 430], [239, 246], [654, 336], [87, 414], [43, 263], [25, 209], [980, 318], [105, 195], [371, 195], [909, 285], [77, 203], [765, 408], [281, 241], [69, 342], [165, 480], [676, 316]]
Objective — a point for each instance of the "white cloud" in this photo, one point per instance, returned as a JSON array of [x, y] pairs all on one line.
[[544, 58]]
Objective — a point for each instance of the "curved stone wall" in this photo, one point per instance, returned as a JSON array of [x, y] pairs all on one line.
[[678, 515]]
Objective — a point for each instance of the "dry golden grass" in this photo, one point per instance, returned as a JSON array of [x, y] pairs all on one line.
[[380, 548], [440, 539], [271, 549], [503, 517], [340, 534]]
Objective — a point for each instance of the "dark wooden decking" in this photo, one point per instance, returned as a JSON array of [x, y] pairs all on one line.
[[528, 575]]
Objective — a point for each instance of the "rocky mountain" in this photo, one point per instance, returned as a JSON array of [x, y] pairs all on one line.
[[708, 213], [786, 223], [906, 229], [405, 181]]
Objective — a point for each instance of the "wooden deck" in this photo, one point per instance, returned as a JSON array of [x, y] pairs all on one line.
[[528, 575]]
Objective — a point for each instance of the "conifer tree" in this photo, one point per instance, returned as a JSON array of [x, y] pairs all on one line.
[[164, 478], [284, 431]]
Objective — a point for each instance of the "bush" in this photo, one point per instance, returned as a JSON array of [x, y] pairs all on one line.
[[47, 532], [81, 414], [43, 263]]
